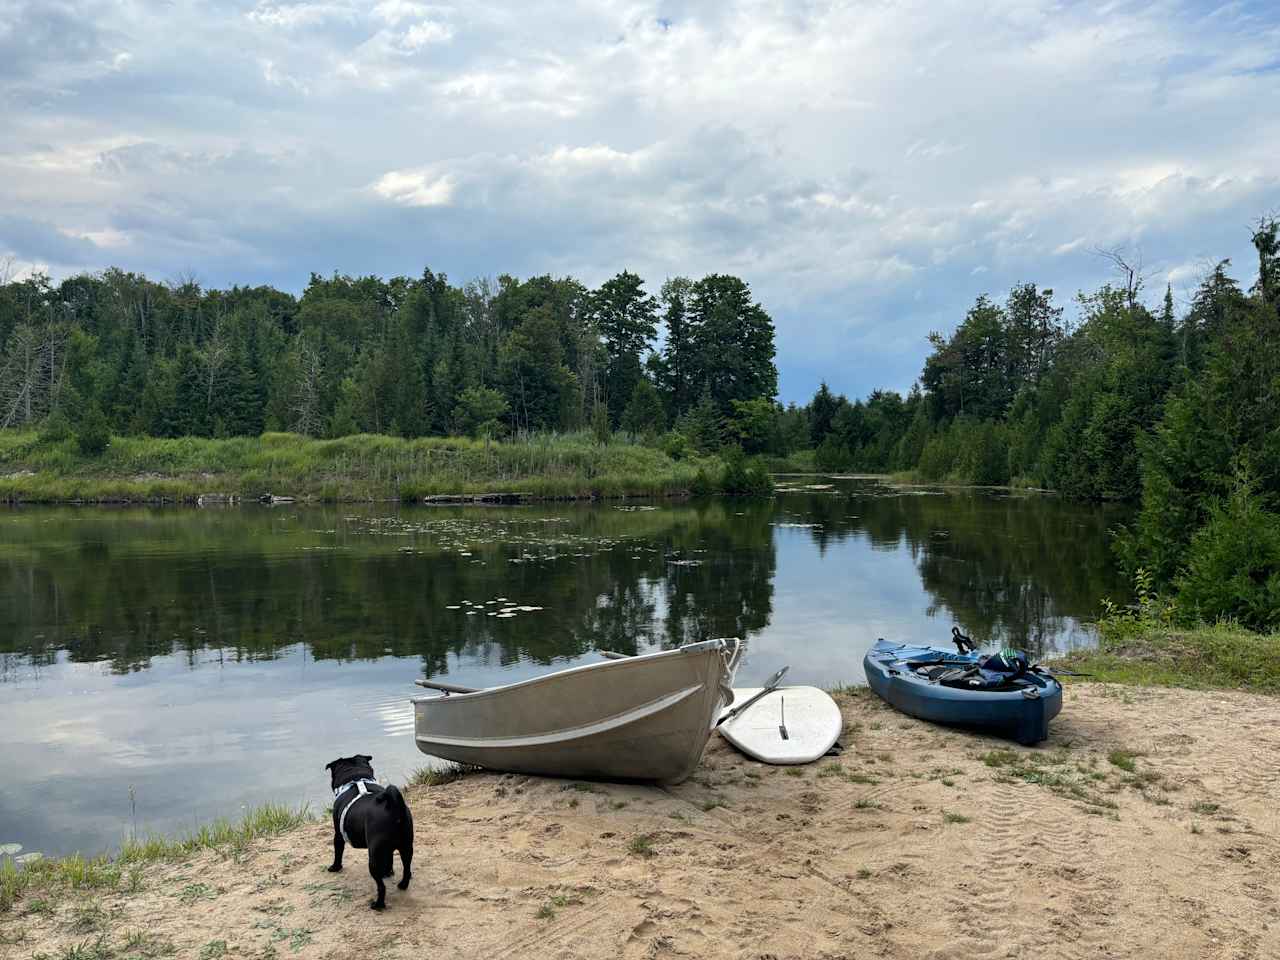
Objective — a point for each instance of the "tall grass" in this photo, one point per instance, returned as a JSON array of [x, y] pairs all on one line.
[[76, 872], [1150, 651], [364, 467]]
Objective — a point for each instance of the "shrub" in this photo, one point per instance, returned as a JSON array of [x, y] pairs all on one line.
[[93, 433], [1233, 564], [676, 446], [743, 479]]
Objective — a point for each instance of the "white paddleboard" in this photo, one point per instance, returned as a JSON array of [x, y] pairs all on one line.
[[811, 719]]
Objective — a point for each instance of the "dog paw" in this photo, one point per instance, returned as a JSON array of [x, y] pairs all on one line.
[[335, 868], [375, 905], [403, 884]]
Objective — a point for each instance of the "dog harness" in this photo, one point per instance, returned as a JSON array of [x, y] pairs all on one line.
[[362, 790]]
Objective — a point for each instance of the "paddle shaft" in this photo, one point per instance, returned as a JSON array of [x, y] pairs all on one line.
[[768, 688]]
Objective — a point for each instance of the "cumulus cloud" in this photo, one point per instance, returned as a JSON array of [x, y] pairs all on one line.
[[869, 169]]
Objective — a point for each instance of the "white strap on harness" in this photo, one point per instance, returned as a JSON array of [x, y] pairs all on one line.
[[362, 790]]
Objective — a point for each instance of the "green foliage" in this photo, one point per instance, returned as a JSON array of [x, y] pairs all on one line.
[[92, 432], [1151, 651], [600, 424], [743, 478], [480, 411], [359, 355], [702, 426], [644, 415], [1232, 568], [753, 424], [347, 468], [676, 446]]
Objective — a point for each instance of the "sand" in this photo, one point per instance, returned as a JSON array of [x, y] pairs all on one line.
[[1064, 854]]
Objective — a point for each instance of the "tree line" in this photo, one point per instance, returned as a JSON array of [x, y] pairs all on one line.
[[116, 353], [1176, 411]]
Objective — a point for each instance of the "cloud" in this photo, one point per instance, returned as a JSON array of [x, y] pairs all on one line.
[[415, 188], [869, 169]]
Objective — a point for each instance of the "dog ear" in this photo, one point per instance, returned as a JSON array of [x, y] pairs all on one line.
[[329, 765], [365, 758]]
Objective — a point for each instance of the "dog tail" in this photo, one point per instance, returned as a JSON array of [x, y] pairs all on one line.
[[394, 801]]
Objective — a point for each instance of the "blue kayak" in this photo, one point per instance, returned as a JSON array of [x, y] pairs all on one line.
[[948, 687]]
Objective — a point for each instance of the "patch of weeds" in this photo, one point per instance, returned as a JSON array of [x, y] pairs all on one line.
[[712, 803], [830, 770], [1123, 759], [582, 787], [852, 776], [142, 946], [299, 937], [950, 817], [641, 845], [439, 776], [863, 873], [1195, 828], [213, 949], [677, 815], [877, 725], [196, 891], [322, 893], [573, 801], [39, 906], [99, 949], [269, 820], [948, 782], [865, 804], [794, 772], [1205, 807], [617, 804], [545, 912], [751, 775], [1000, 758], [87, 918]]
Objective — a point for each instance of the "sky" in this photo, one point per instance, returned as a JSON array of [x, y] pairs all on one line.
[[869, 168]]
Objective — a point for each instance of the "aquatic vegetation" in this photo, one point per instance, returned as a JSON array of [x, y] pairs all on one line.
[[353, 468]]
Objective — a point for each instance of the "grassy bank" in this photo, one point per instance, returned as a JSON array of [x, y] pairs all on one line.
[[365, 467], [1150, 652], [38, 882]]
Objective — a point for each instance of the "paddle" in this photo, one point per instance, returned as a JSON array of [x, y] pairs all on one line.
[[768, 688]]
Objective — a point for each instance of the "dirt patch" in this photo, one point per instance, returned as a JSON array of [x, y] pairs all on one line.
[[1146, 826]]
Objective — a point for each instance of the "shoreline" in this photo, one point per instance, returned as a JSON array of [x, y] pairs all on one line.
[[1145, 803], [353, 469]]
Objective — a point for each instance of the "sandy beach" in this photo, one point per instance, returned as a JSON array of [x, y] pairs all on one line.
[[1145, 827]]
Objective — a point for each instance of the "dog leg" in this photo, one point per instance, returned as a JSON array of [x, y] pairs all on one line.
[[379, 861], [337, 852], [406, 859]]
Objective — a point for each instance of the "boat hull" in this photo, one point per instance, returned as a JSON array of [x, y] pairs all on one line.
[[639, 718], [1012, 713]]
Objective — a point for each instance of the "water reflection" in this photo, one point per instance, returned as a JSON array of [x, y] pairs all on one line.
[[213, 658]]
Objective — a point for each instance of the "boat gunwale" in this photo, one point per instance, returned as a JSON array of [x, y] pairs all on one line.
[[701, 647], [569, 734]]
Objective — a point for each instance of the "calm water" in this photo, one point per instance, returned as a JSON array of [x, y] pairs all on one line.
[[213, 659]]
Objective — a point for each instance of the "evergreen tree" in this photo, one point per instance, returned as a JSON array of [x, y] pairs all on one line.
[[644, 415]]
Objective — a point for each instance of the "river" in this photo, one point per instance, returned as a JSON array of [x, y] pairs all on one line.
[[160, 667]]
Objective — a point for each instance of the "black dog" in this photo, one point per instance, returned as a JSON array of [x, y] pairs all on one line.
[[368, 815]]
